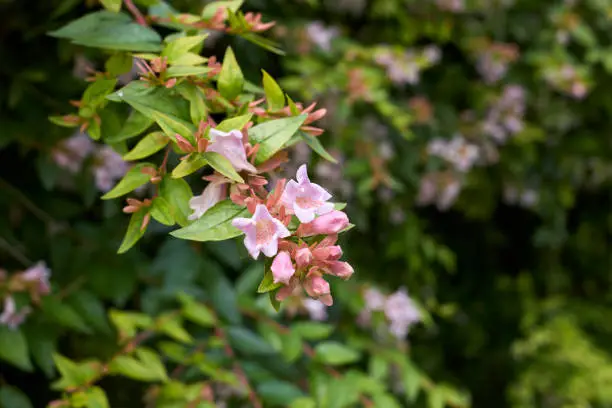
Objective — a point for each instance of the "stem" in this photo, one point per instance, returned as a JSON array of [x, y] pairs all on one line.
[[140, 19], [14, 252]]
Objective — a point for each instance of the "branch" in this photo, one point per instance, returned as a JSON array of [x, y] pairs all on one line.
[[140, 19]]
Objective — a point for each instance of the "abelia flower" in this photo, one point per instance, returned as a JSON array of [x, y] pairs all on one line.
[[282, 268], [318, 288], [39, 275], [402, 312], [262, 232], [10, 316], [340, 269], [303, 257], [316, 310], [374, 299], [330, 223], [212, 194], [230, 146], [70, 153], [320, 35], [327, 253], [305, 199], [109, 166]]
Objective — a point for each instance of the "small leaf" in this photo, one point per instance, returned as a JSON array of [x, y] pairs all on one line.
[[222, 165], [291, 346], [235, 123], [279, 393], [14, 349], [197, 312], [74, 374], [315, 144], [133, 179], [334, 353], [161, 211], [119, 63], [148, 145], [193, 163], [177, 193], [135, 124], [61, 121], [112, 5], [215, 224], [274, 93], [303, 402], [339, 206], [178, 71], [273, 301], [273, 135], [148, 367], [197, 102], [180, 46], [210, 9], [411, 379], [95, 397], [312, 330], [248, 342], [95, 94], [134, 231], [13, 397], [172, 325], [171, 126], [127, 323], [267, 283], [230, 80]]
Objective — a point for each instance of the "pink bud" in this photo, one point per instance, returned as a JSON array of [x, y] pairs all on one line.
[[329, 253], [330, 223], [341, 269], [303, 257], [282, 268], [318, 288]]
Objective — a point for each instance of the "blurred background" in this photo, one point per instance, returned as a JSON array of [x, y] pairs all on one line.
[[474, 151]]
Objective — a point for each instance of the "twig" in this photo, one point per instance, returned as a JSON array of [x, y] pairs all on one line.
[[237, 369], [15, 253], [135, 12]]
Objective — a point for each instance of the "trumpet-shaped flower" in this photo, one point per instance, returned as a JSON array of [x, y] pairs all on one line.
[[38, 275], [212, 194], [262, 232], [230, 146], [282, 268], [306, 199], [330, 223]]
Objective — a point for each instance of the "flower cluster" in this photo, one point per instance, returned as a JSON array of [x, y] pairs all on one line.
[[321, 35], [505, 117], [398, 308], [405, 67], [107, 166], [567, 79], [295, 224], [34, 280], [493, 61], [439, 188], [457, 151]]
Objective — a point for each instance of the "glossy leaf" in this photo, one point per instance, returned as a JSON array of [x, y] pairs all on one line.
[[14, 348], [133, 179], [334, 353], [177, 193], [237, 122], [274, 94], [230, 80], [148, 145], [222, 165], [215, 224], [273, 135], [161, 211], [193, 163], [134, 231]]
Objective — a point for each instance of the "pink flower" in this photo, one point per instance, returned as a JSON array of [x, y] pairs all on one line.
[[330, 223], [212, 194], [231, 147], [71, 153], [402, 312], [304, 198], [340, 269], [327, 253], [318, 288], [316, 310], [282, 268], [38, 274], [303, 257], [374, 299], [10, 316], [262, 232], [109, 167]]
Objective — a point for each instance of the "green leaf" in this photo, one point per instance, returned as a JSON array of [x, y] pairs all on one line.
[[178, 71], [274, 93], [248, 342], [119, 63], [63, 314], [41, 342], [312, 330], [411, 379], [177, 193], [210, 9], [273, 301], [273, 135], [197, 312], [115, 31], [315, 144], [171, 126], [95, 94], [95, 397], [136, 124], [90, 307], [435, 398], [181, 46], [13, 397], [161, 211], [147, 100], [112, 5], [339, 206], [235, 123], [291, 346], [73, 374], [267, 283], [215, 224], [60, 121], [134, 231], [197, 102], [148, 145], [191, 164], [230, 80], [222, 165], [14, 349], [127, 323], [334, 353], [303, 402], [263, 42], [280, 393], [173, 327], [148, 367], [133, 179]]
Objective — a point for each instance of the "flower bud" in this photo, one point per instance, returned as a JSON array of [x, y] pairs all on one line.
[[330, 223], [318, 288], [282, 268], [329, 253], [341, 269], [303, 257]]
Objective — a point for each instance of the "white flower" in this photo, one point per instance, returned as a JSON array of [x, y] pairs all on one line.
[[212, 194], [316, 310], [401, 312]]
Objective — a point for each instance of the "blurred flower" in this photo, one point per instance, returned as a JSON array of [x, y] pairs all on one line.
[[212, 194], [432, 54], [374, 299], [568, 79], [39, 276], [461, 154], [492, 61], [305, 199], [454, 6], [505, 117], [321, 35], [262, 232], [441, 189], [421, 108], [527, 197], [316, 310], [109, 166], [70, 153], [10, 316], [402, 312]]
